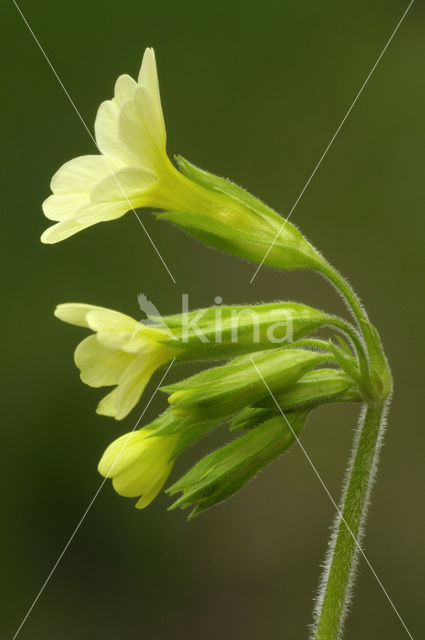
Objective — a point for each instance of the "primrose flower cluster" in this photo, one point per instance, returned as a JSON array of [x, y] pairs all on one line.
[[265, 369]]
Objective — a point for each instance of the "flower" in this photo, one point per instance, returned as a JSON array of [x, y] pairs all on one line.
[[139, 463], [133, 169], [123, 352]]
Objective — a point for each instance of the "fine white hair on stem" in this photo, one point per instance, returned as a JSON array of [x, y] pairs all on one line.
[[359, 534], [347, 283]]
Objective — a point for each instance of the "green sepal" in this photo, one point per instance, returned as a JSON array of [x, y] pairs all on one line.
[[249, 229], [223, 332], [347, 363], [222, 185], [317, 387], [189, 431], [344, 346], [250, 417], [381, 374], [292, 252], [220, 391], [226, 470]]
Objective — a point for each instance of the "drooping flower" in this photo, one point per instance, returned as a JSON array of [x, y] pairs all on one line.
[[139, 463], [122, 352], [133, 170]]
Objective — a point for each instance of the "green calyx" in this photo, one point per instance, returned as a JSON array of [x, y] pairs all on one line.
[[220, 391], [225, 471], [321, 386], [228, 331], [234, 221]]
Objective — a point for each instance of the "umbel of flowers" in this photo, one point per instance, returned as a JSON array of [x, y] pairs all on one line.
[[265, 367]]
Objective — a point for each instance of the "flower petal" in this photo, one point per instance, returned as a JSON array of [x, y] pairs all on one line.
[[115, 329], [75, 313], [124, 88], [137, 480], [133, 383], [126, 183], [137, 131], [148, 78], [107, 406], [64, 205], [150, 116], [79, 175], [100, 366], [95, 212], [150, 495], [63, 230], [107, 136], [122, 452]]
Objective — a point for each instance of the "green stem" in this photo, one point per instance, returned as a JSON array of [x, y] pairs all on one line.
[[347, 292], [341, 559]]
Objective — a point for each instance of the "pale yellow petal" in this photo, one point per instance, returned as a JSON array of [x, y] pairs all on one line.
[[114, 329], [108, 405], [95, 212], [122, 452], [124, 88], [63, 230], [136, 136], [150, 494], [150, 116], [147, 474], [75, 312], [64, 205], [145, 338], [80, 174], [100, 366], [138, 480], [148, 78], [127, 183], [107, 136], [132, 384]]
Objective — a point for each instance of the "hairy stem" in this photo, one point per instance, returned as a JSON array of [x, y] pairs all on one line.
[[337, 579], [347, 293]]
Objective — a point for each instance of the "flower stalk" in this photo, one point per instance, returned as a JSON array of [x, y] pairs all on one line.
[[336, 583]]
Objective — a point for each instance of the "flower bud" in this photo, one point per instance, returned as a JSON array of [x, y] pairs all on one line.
[[227, 470], [315, 388], [139, 463], [220, 391]]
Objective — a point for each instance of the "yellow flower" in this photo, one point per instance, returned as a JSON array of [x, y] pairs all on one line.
[[139, 464], [123, 352], [133, 169]]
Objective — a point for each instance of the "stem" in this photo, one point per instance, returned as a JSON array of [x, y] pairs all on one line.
[[347, 292], [337, 579]]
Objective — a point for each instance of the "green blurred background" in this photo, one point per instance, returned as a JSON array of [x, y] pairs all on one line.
[[252, 91]]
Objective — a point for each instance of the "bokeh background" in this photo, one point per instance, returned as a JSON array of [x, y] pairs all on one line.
[[252, 91]]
